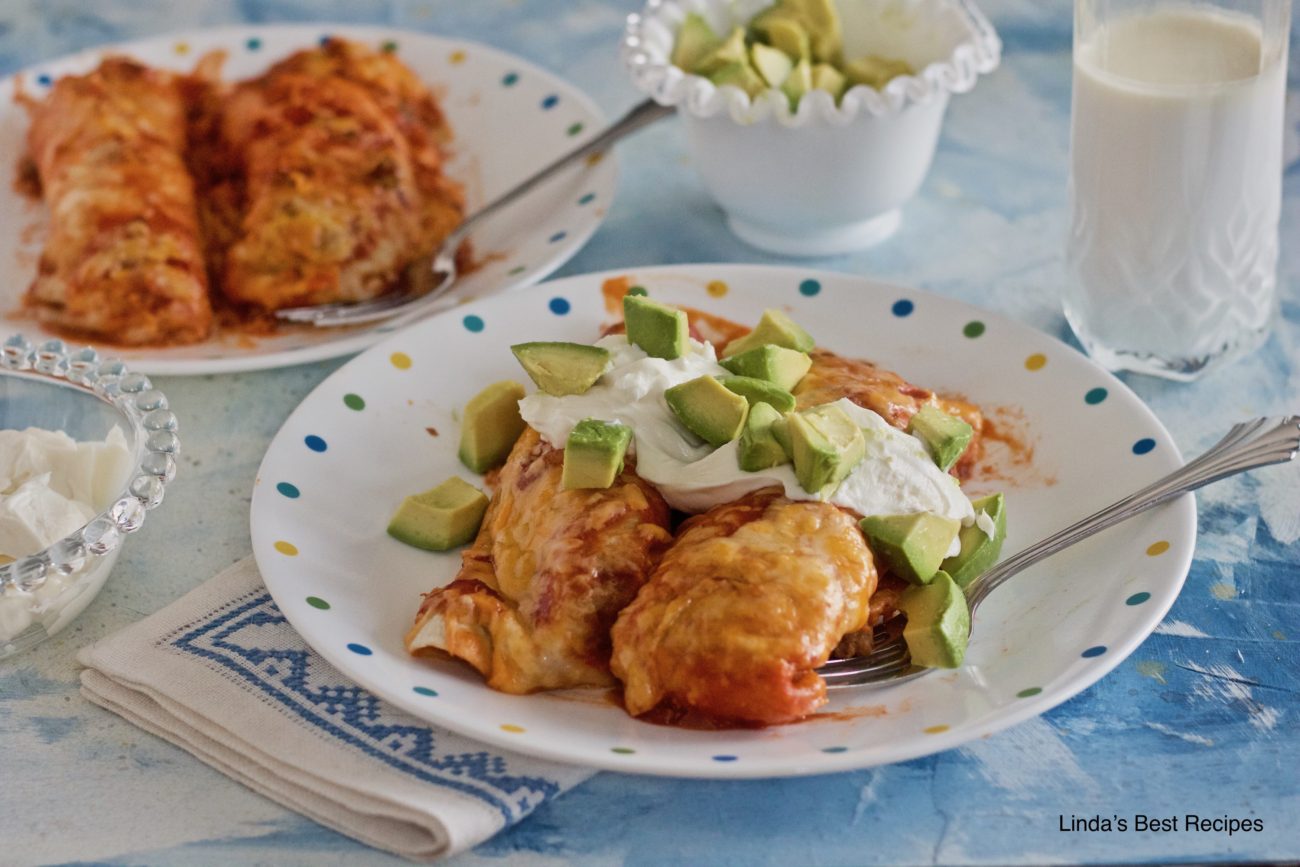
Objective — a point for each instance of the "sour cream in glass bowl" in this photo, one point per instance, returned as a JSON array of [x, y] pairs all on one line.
[[87, 449]]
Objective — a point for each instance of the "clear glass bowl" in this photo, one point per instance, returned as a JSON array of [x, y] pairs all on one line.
[[52, 387]]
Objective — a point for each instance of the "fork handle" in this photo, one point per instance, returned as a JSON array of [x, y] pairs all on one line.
[[637, 117], [1252, 444]]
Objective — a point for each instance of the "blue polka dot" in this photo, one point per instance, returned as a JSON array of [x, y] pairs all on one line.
[[810, 288], [835, 749], [315, 443], [510, 79], [559, 306], [44, 80], [424, 690], [1095, 396], [473, 323], [1093, 651], [724, 758], [1143, 446], [253, 43], [360, 649], [550, 102], [587, 199], [290, 491], [558, 237], [903, 307], [1137, 599], [324, 40]]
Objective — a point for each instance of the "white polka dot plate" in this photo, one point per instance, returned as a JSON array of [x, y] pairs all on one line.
[[510, 118], [1068, 439]]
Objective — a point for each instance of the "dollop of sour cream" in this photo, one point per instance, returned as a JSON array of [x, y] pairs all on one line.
[[50, 487], [896, 477]]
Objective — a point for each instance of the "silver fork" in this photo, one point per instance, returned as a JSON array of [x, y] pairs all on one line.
[[1247, 446], [411, 304]]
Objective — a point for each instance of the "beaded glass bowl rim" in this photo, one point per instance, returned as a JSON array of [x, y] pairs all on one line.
[[152, 436], [647, 44]]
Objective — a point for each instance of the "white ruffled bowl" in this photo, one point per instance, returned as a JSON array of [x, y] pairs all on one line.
[[825, 178]]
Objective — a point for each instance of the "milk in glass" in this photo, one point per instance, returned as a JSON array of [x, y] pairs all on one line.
[[1176, 163]]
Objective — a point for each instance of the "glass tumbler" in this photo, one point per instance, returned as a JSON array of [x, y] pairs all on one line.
[[1175, 180]]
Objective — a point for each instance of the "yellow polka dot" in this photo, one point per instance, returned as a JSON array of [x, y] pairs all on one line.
[[1157, 548], [181, 48], [400, 360], [717, 288], [457, 57], [595, 158], [1035, 361], [286, 548], [512, 728], [935, 730]]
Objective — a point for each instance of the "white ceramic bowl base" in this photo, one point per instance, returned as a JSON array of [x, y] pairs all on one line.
[[815, 190]]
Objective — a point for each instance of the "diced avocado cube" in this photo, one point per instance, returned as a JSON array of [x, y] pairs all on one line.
[[945, 436], [875, 71], [695, 40], [729, 52], [822, 23], [828, 78], [781, 433], [776, 328], [911, 546], [771, 63], [776, 364], [708, 410], [979, 550], [441, 518], [784, 32], [759, 391], [739, 75], [797, 84], [562, 368], [758, 448], [660, 330], [593, 454], [938, 622], [825, 445], [490, 425]]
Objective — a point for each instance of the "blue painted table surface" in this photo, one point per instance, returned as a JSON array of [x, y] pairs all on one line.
[[1160, 736]]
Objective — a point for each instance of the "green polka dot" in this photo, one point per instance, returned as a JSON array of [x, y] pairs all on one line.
[[622, 751], [518, 269], [637, 290], [388, 47], [1029, 693], [574, 129], [973, 329], [317, 602], [354, 401]]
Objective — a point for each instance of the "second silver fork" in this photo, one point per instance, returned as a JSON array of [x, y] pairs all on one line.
[[411, 305]]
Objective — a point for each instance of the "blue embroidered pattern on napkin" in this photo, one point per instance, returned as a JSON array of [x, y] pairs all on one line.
[[278, 664]]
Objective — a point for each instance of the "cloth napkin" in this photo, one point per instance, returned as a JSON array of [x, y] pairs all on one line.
[[222, 674]]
